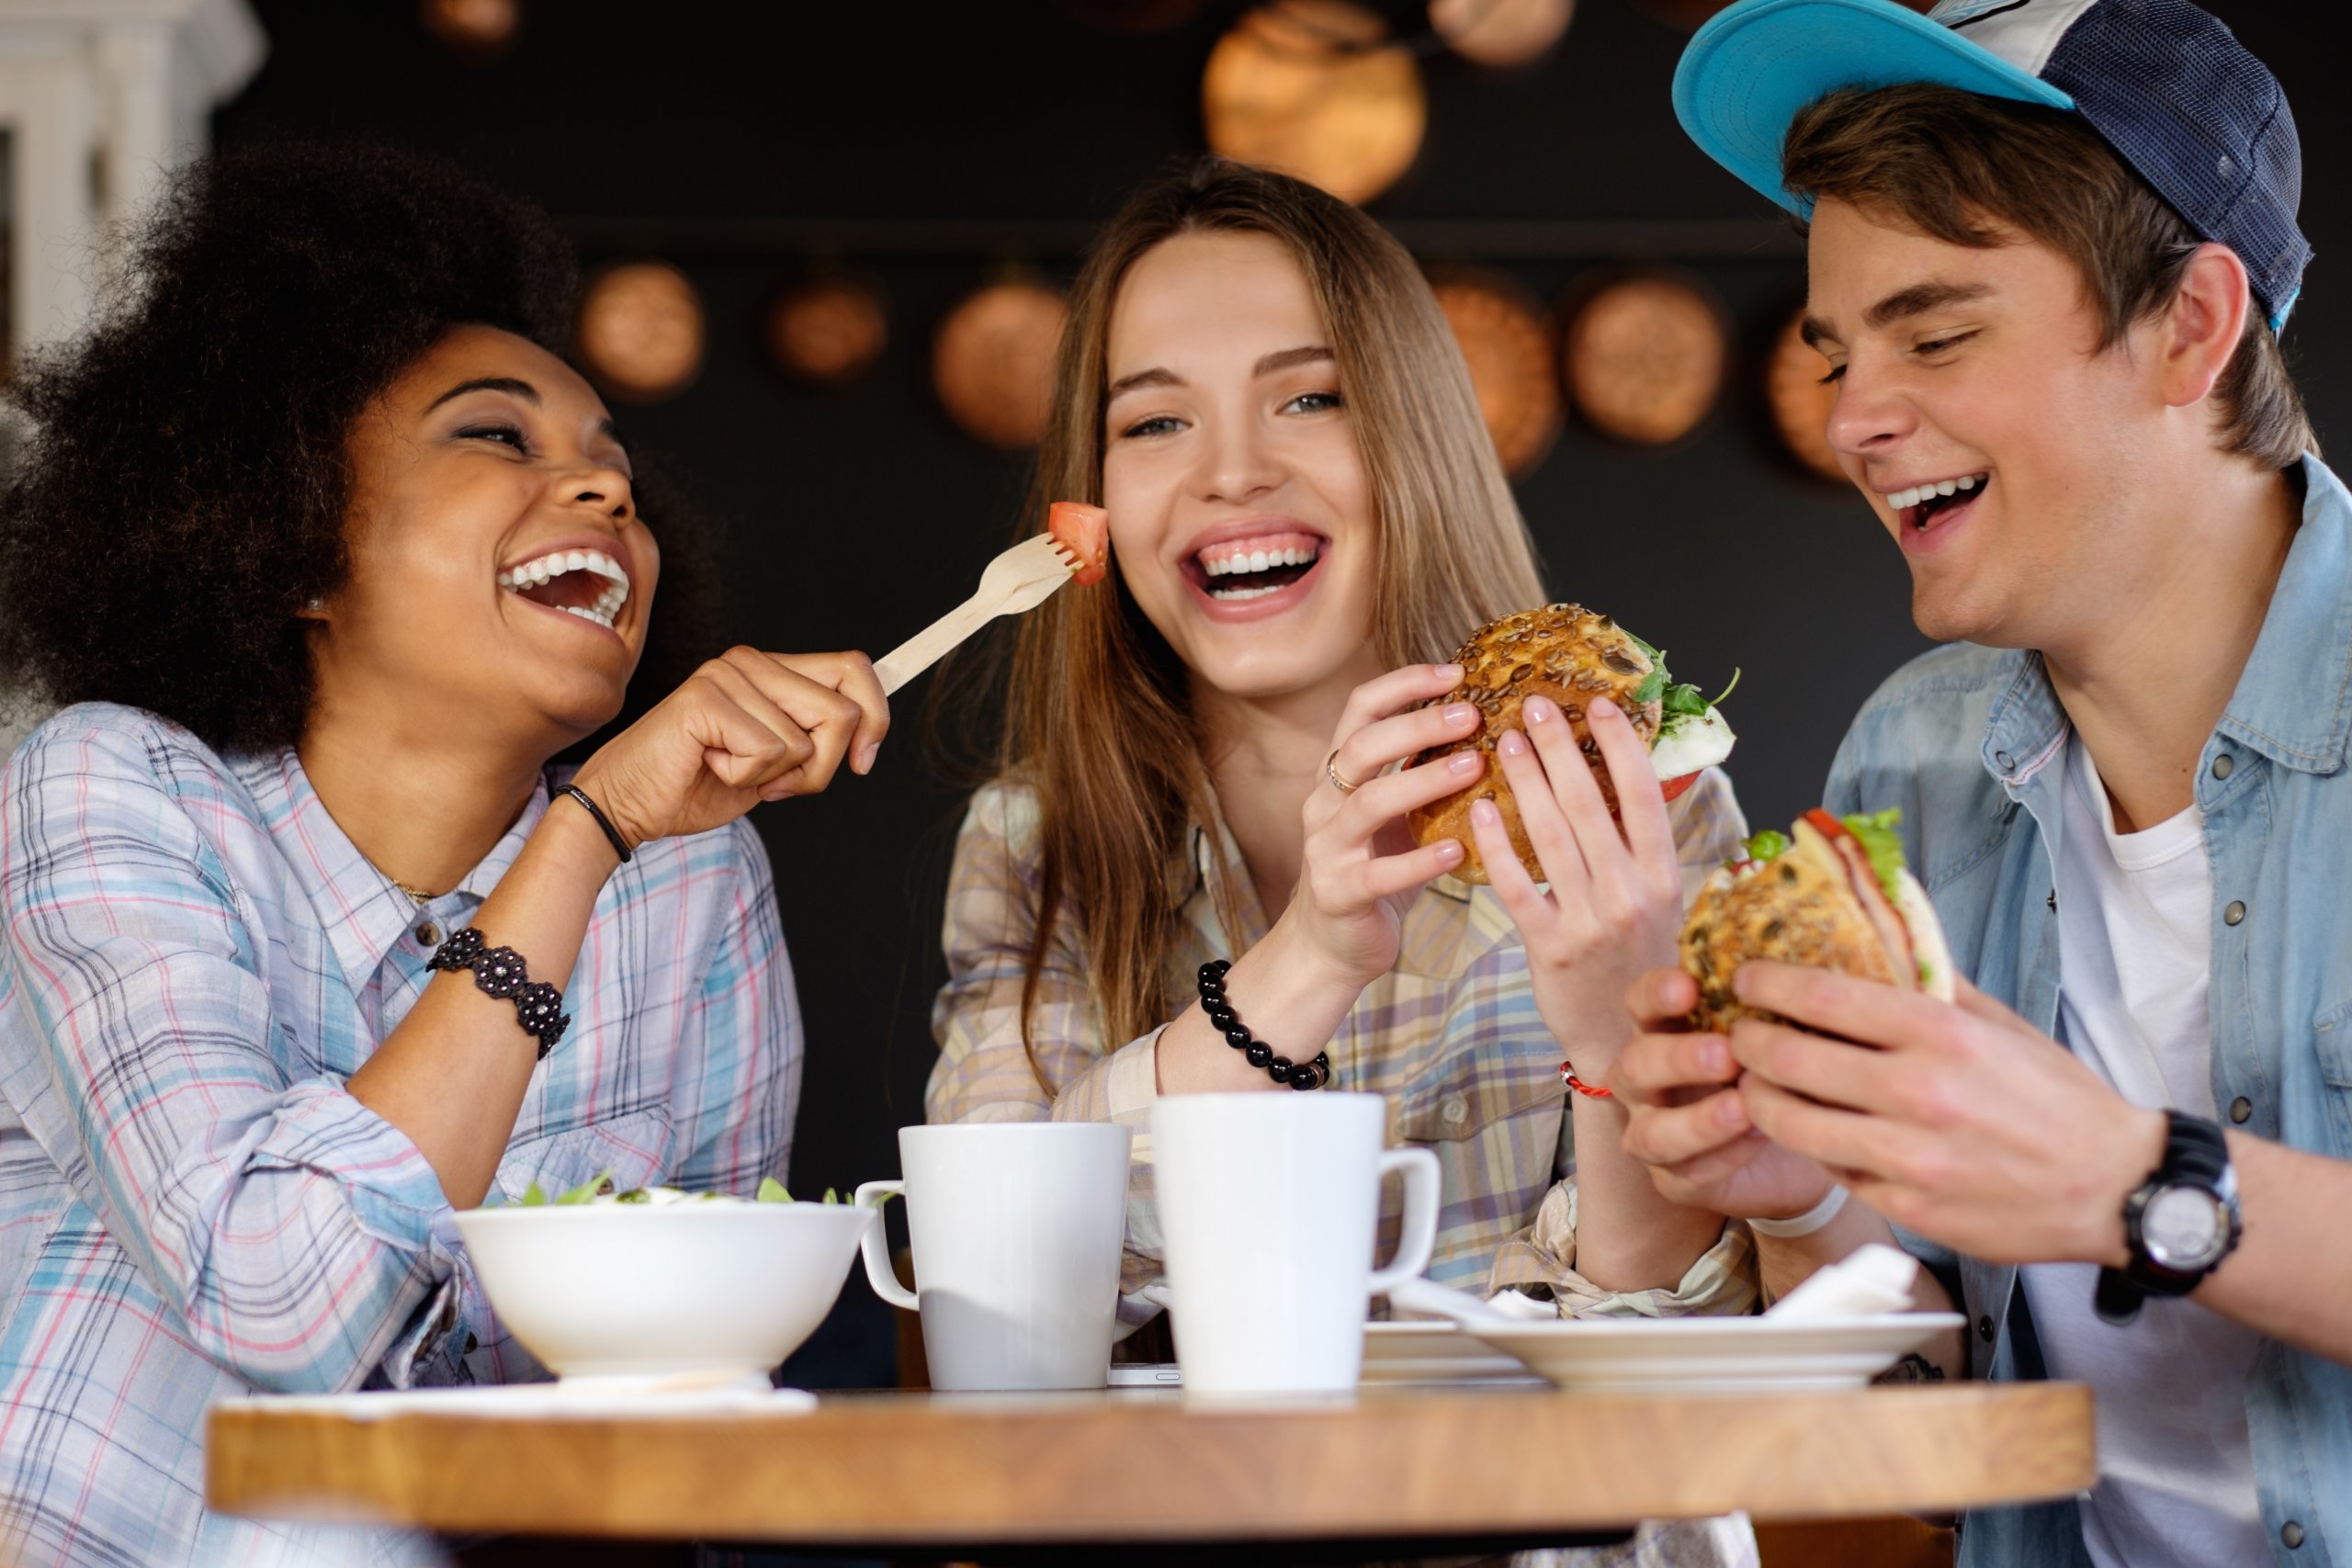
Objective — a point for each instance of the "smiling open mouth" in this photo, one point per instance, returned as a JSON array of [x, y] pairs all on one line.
[[1241, 570], [586, 583], [1918, 505]]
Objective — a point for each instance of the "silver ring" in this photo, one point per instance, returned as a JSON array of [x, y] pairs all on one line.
[[1331, 772]]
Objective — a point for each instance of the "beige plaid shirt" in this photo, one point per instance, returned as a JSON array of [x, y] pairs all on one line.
[[1450, 1036]]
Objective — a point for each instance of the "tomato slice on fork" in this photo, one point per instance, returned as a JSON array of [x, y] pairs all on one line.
[[1085, 532]]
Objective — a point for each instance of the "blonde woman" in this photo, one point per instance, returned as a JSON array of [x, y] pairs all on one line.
[[1201, 759]]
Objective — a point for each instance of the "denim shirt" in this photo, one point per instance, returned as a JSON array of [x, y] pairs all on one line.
[[1961, 738]]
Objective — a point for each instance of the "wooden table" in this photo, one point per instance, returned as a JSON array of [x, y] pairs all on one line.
[[932, 1472]]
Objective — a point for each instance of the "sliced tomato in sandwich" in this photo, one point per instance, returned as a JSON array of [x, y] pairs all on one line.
[[1674, 787], [1884, 918], [1085, 532]]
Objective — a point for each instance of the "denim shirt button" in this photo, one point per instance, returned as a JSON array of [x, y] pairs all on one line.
[[2234, 913], [2291, 1533], [2221, 765], [2240, 1109], [2005, 761]]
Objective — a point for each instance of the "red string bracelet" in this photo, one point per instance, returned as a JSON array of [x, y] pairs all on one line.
[[1568, 1077]]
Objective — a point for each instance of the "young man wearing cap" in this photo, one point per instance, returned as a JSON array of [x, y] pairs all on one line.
[[2051, 243]]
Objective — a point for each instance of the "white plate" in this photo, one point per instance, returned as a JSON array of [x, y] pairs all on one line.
[[1732, 1355], [1416, 1351]]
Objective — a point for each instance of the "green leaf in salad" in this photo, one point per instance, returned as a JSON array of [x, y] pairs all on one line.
[[595, 1186], [1769, 845], [771, 1191]]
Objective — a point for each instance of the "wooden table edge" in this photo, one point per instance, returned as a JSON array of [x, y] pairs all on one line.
[[913, 1471]]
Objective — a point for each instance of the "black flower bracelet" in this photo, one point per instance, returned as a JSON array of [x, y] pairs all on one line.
[[500, 972], [1282, 1070]]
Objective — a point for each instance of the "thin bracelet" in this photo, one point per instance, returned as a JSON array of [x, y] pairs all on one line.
[[612, 834], [1568, 1077], [1812, 1220]]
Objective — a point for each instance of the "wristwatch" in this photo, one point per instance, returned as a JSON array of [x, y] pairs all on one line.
[[2179, 1223]]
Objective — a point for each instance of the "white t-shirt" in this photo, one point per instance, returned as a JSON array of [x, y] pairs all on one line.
[[2135, 958]]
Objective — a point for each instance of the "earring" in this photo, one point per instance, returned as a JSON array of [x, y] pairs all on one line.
[[315, 606]]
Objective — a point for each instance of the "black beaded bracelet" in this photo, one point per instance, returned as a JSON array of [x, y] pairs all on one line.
[[500, 972], [612, 834], [1282, 1070]]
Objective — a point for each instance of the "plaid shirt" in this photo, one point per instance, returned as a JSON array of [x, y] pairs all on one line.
[[1450, 1035], [195, 958]]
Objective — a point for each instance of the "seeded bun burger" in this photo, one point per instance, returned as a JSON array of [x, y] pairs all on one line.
[[1833, 893], [1571, 655]]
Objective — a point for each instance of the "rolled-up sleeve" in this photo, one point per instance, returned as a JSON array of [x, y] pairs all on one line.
[[1720, 1283], [304, 1240], [986, 1071]]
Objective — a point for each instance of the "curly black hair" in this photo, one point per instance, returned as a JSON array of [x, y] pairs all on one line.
[[184, 486]]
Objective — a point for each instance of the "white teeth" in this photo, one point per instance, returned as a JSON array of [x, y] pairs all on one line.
[[1903, 500], [546, 567], [1257, 560], [1230, 595], [599, 617]]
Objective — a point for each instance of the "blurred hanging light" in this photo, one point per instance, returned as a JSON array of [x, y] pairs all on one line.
[[1644, 358], [474, 31], [992, 363], [1801, 398], [1500, 32], [640, 332], [1500, 329], [828, 329], [1314, 88]]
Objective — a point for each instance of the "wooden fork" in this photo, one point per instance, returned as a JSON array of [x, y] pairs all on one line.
[[1020, 578]]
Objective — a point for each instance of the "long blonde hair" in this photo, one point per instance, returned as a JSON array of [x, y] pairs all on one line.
[[1097, 718]]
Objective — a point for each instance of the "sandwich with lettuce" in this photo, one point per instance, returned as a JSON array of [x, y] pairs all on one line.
[[1833, 893]]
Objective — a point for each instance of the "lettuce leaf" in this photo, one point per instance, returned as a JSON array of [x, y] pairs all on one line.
[[1875, 831], [1769, 845]]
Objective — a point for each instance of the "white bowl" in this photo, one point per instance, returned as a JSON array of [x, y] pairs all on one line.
[[623, 1290]]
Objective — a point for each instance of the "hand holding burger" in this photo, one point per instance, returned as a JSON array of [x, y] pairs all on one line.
[[1567, 655]]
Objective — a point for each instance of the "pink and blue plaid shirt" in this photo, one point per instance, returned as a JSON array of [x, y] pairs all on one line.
[[193, 960]]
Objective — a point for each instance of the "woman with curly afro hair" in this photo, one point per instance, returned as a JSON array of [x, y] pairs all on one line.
[[304, 944]]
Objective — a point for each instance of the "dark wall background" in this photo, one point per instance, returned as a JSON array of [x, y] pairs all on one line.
[[856, 515]]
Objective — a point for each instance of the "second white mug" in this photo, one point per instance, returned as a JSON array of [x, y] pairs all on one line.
[[1268, 1204]]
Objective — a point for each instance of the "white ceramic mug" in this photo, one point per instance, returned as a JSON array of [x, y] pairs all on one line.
[[1268, 1206], [1017, 1228]]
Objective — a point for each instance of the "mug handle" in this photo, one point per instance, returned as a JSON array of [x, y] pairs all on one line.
[[1414, 1241], [876, 1245]]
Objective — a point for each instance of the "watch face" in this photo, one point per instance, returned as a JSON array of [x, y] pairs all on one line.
[[2184, 1228]]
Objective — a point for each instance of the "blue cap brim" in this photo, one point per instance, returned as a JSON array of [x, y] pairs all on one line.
[[1752, 67]]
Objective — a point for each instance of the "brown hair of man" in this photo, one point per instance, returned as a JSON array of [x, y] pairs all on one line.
[[1972, 169]]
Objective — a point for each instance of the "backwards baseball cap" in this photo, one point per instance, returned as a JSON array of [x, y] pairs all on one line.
[[2171, 89]]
